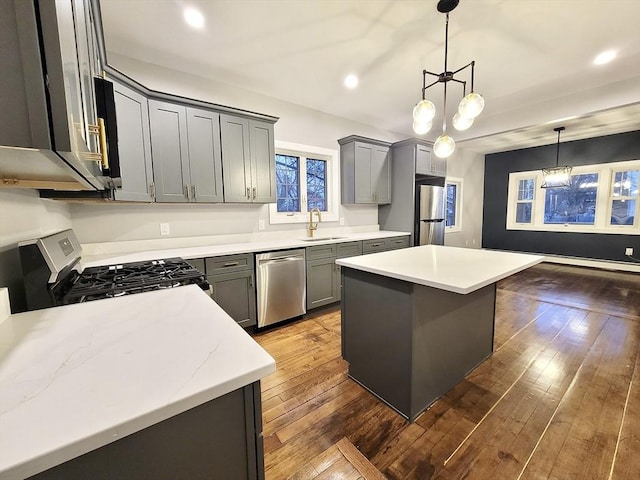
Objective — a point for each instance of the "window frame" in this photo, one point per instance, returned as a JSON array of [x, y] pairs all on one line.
[[458, 182], [333, 183], [605, 171]]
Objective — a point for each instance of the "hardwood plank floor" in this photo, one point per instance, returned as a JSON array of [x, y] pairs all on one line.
[[558, 399]]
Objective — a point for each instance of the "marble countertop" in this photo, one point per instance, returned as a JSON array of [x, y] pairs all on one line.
[[459, 270], [77, 377], [232, 248]]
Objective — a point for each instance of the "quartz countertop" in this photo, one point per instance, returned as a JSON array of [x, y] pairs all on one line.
[[459, 270], [233, 248], [74, 378]]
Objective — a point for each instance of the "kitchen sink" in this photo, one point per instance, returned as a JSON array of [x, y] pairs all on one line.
[[318, 239]]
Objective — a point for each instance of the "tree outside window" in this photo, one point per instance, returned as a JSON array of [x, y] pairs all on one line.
[[575, 204]]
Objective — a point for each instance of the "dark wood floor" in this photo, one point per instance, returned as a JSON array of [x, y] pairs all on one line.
[[558, 399]]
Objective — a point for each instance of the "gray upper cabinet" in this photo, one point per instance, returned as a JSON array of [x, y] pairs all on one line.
[[427, 163], [365, 170], [170, 151], [134, 145], [205, 161], [248, 160], [185, 145]]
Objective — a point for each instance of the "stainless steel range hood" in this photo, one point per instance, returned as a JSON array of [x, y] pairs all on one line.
[[49, 134]]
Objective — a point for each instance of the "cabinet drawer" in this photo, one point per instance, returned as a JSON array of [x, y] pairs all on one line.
[[321, 251], [398, 242], [349, 249], [229, 263], [374, 245]]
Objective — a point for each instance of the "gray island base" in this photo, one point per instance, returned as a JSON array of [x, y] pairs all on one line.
[[409, 344]]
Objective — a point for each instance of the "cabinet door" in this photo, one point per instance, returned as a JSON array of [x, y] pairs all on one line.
[[363, 159], [169, 151], [134, 145], [235, 293], [263, 162], [423, 160], [205, 162], [438, 166], [322, 282], [380, 175], [234, 136]]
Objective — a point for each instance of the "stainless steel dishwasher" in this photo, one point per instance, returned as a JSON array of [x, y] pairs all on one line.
[[281, 284]]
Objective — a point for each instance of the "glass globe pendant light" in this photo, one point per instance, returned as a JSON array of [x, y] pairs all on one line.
[[444, 146], [461, 122], [469, 108]]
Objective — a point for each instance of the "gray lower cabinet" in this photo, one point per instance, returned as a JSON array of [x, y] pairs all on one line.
[[134, 145], [233, 286], [185, 145], [248, 159], [383, 244], [323, 280], [218, 439], [365, 170], [323, 275]]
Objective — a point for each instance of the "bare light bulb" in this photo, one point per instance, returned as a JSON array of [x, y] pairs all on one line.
[[460, 122], [424, 111], [421, 128], [471, 106], [444, 146]]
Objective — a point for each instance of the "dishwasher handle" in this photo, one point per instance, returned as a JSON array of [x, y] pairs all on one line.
[[280, 259]]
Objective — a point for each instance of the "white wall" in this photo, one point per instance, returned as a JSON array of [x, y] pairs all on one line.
[[24, 215], [470, 167]]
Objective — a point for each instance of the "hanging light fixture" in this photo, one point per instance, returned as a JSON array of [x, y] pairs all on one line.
[[556, 177], [469, 108]]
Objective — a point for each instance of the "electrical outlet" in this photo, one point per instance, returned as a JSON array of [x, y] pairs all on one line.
[[628, 251], [165, 229], [260, 224], [341, 220]]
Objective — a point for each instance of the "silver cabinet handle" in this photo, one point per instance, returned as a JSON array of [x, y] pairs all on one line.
[[231, 264], [186, 192], [152, 190], [376, 244], [193, 192], [254, 193], [248, 192]]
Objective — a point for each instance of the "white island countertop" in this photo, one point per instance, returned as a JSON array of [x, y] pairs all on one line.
[[77, 377], [459, 270]]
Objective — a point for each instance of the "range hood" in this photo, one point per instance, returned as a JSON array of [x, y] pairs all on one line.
[[51, 137]]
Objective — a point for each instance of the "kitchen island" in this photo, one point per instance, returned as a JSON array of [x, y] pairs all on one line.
[[416, 321], [159, 385]]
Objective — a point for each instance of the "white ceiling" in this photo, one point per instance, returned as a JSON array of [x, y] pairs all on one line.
[[533, 58]]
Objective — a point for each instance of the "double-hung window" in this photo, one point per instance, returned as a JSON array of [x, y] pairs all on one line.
[[524, 203], [306, 177], [453, 207], [624, 197]]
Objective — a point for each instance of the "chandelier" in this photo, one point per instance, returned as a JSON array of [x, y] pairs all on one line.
[[469, 108], [556, 177]]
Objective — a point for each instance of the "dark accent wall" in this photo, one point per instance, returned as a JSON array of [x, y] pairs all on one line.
[[498, 166]]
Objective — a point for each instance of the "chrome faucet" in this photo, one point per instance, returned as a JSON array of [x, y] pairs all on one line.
[[313, 226]]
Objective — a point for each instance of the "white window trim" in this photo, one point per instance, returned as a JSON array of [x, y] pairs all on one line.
[[459, 193], [333, 184], [603, 202]]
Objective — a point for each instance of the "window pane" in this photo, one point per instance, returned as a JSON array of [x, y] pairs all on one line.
[[523, 212], [287, 183], [316, 184], [622, 212], [625, 184], [526, 189], [575, 204], [452, 193]]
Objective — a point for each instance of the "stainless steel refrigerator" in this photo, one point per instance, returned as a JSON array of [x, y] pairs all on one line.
[[430, 210]]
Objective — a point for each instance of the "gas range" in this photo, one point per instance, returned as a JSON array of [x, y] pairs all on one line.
[[48, 265]]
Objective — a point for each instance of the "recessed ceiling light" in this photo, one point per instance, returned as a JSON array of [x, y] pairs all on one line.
[[605, 57], [351, 81], [193, 17]]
